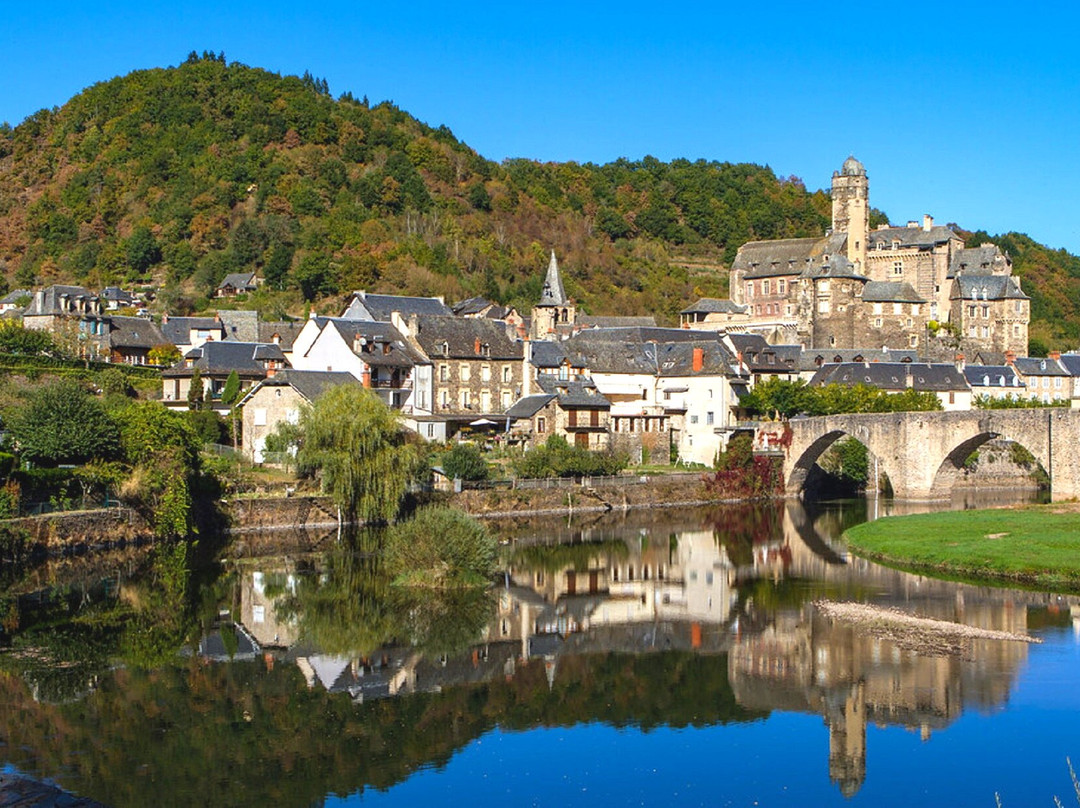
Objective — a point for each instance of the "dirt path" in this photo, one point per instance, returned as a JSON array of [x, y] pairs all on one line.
[[923, 635]]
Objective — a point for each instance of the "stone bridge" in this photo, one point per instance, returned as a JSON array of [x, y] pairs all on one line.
[[923, 452]]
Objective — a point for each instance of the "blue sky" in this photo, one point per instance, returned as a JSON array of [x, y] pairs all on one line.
[[967, 111]]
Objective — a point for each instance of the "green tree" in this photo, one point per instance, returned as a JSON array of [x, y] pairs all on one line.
[[143, 250], [440, 547], [19, 341], [358, 448], [465, 462], [196, 394], [62, 423]]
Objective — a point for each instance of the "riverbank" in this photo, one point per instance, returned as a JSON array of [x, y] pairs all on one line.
[[1036, 546]]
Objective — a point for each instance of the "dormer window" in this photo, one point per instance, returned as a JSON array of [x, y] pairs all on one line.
[[896, 244]]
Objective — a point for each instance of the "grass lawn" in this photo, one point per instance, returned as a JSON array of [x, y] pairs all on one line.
[[1036, 546]]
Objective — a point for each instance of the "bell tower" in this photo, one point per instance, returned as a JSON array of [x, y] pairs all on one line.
[[554, 313], [851, 209]]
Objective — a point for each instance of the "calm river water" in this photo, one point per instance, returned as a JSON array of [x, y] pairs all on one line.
[[669, 657]]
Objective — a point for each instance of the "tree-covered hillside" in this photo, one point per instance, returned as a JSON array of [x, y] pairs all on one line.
[[178, 176]]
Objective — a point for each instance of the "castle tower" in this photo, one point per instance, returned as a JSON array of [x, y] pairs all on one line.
[[851, 209], [554, 312]]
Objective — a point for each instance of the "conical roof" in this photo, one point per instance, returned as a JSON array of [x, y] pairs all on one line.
[[553, 294]]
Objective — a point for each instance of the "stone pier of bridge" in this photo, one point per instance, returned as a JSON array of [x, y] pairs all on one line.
[[923, 452]]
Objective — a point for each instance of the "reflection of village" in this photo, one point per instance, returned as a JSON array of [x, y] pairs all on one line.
[[627, 585]]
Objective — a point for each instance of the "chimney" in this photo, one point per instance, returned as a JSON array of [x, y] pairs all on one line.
[[312, 314], [164, 318], [39, 301], [699, 359], [1010, 357], [960, 362], [365, 376], [912, 224], [927, 221], [909, 380], [476, 346], [1055, 355]]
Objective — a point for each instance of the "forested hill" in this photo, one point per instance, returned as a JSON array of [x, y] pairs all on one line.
[[178, 176]]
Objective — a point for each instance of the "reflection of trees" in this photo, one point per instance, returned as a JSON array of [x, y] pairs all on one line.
[[349, 607], [739, 527], [441, 621], [557, 557], [239, 734]]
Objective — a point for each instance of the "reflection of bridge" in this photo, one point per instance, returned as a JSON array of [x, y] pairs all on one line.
[[923, 452]]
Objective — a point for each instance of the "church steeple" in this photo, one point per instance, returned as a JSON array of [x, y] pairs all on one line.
[[554, 316], [553, 294]]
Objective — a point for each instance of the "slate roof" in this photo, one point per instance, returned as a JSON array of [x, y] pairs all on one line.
[[551, 354], [528, 406], [286, 331], [625, 350], [221, 358], [812, 359], [241, 281], [553, 293], [399, 353], [993, 376], [460, 335], [1036, 366], [116, 295], [380, 307], [177, 329], [986, 287], [471, 306], [789, 256], [592, 321], [13, 297], [308, 383], [890, 292], [240, 326], [51, 299], [575, 394], [982, 260], [714, 305], [893, 376], [1071, 363], [677, 359], [911, 236], [134, 332]]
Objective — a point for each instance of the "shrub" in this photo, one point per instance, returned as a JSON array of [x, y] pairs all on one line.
[[465, 462], [440, 547], [556, 458]]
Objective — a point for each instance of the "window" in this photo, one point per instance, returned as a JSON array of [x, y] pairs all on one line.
[[877, 322], [913, 341], [465, 373], [465, 399], [986, 312], [504, 399], [781, 287], [485, 373], [909, 322], [708, 418], [541, 424], [260, 416], [764, 287], [506, 374], [693, 419], [915, 309], [1016, 330], [985, 332], [444, 398], [430, 429], [1018, 306], [823, 306], [878, 308], [750, 289], [485, 401], [1057, 382], [444, 373], [897, 308], [898, 268]]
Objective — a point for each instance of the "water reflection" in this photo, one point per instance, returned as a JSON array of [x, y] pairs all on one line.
[[314, 665]]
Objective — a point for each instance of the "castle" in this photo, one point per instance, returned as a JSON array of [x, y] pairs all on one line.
[[858, 287]]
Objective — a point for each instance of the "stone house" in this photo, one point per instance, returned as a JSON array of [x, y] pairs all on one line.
[[892, 314], [55, 307], [129, 340], [811, 361], [574, 410], [477, 368], [237, 283], [990, 312], [278, 399], [995, 381], [365, 306], [191, 332], [713, 314], [215, 361], [1046, 379]]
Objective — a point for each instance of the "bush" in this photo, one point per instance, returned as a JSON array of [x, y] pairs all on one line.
[[440, 547], [556, 458], [465, 462]]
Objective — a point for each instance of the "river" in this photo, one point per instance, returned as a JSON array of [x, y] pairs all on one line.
[[655, 657]]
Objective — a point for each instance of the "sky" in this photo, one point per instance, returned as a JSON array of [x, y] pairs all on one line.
[[967, 111]]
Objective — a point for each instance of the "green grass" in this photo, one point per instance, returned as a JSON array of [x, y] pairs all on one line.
[[1035, 546]]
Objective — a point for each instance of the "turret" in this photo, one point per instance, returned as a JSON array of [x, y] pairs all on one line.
[[851, 209]]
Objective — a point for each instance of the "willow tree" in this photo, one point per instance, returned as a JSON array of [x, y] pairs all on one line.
[[357, 445]]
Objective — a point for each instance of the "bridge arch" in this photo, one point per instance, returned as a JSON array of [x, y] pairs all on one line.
[[808, 456], [951, 468]]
